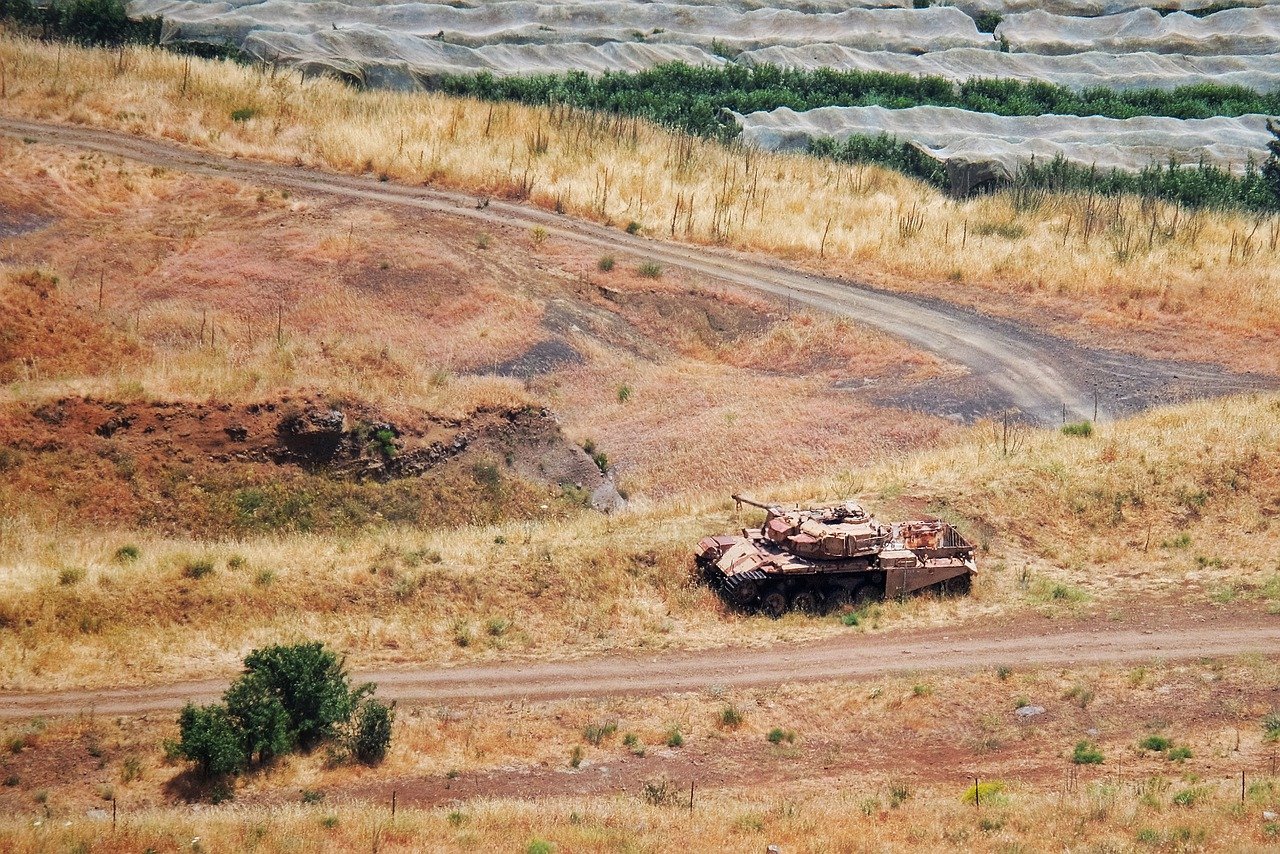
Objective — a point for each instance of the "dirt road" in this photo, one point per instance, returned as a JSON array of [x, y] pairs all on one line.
[[1009, 366], [1023, 642]]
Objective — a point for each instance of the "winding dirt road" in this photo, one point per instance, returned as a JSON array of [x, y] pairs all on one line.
[[1028, 641], [1031, 372]]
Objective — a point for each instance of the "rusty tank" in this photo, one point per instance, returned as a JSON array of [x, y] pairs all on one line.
[[829, 556]]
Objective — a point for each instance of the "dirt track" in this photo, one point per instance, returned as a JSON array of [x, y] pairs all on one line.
[[1027, 641], [1009, 366]]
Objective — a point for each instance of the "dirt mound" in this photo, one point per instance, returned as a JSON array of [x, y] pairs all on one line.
[[295, 462]]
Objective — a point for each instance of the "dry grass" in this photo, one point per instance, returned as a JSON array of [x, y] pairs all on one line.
[[1134, 266], [223, 291], [844, 782], [1153, 505]]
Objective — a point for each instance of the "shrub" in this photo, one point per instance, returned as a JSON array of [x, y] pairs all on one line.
[[539, 846], [850, 619], [1271, 726], [243, 114], [1086, 753], [496, 627], [983, 792], [624, 393], [538, 234], [1003, 672], [1083, 429], [130, 769], [777, 735], [210, 738], [1157, 743], [605, 263], [311, 685], [127, 553], [650, 269], [1178, 754], [264, 723], [675, 738], [597, 733], [12, 780], [1191, 796], [69, 576], [312, 796], [634, 227], [663, 792], [731, 717], [265, 577], [987, 22], [575, 758], [197, 569]]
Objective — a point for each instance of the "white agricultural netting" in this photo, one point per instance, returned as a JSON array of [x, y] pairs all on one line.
[[909, 30], [1090, 8], [398, 61], [1234, 32], [947, 133], [1075, 71]]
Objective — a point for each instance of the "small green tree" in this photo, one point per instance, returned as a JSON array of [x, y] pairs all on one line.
[[1271, 169], [311, 685], [211, 739], [371, 731], [263, 722]]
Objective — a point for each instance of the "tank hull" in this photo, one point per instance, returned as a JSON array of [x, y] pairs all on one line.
[[776, 568]]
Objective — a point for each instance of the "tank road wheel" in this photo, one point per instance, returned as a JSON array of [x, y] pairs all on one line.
[[746, 591], [774, 604], [805, 601]]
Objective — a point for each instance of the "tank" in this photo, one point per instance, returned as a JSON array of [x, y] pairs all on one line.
[[829, 556]]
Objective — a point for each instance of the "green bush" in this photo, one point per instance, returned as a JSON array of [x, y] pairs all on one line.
[[1180, 753], [88, 22], [731, 717], [1086, 753], [310, 683], [675, 738], [211, 739], [371, 736], [127, 553], [650, 269], [987, 22], [288, 696], [606, 263], [264, 723], [1083, 429], [197, 568], [595, 734], [777, 735], [1271, 726], [1157, 743]]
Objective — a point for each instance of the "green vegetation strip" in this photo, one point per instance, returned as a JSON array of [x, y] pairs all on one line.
[[693, 98]]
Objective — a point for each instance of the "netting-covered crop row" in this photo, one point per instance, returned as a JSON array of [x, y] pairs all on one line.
[[946, 133], [1075, 71]]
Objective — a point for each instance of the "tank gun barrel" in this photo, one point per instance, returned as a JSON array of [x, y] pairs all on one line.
[[742, 499]]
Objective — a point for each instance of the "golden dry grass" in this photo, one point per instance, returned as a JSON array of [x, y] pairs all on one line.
[[881, 765], [1154, 505], [1139, 267], [413, 313]]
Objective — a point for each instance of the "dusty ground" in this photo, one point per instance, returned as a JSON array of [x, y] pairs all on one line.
[[1012, 372]]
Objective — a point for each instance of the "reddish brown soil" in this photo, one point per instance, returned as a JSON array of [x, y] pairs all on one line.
[[222, 466]]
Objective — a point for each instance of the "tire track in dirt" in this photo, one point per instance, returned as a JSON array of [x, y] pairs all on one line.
[[1026, 642], [1042, 376]]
